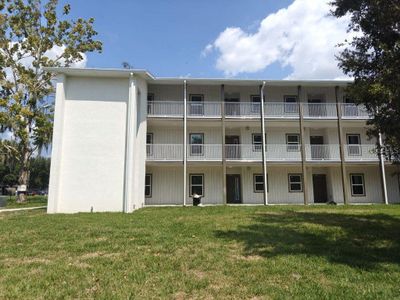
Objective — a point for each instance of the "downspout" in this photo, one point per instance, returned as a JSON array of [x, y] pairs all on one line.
[[382, 165], [184, 141], [264, 159]]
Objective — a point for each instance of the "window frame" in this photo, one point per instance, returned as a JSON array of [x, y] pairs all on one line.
[[150, 175], [254, 107], [289, 144], [354, 151], [357, 184], [255, 183], [202, 184], [149, 146], [192, 153], [254, 145], [290, 183], [286, 107]]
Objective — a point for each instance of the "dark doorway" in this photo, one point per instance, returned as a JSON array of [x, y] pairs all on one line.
[[316, 108], [232, 147], [232, 106], [317, 152], [320, 189], [233, 191]]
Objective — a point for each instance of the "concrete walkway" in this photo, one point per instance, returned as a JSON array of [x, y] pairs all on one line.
[[20, 209]]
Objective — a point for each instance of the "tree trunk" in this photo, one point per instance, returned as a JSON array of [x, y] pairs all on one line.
[[23, 178]]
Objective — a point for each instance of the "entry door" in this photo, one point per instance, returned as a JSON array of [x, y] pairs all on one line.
[[317, 151], [232, 107], [320, 189], [233, 191], [315, 107], [232, 150]]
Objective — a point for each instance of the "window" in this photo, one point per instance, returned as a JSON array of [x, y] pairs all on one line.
[[149, 144], [354, 144], [150, 104], [196, 105], [196, 184], [293, 142], [148, 185], [255, 103], [295, 183], [357, 184], [257, 141], [196, 144], [291, 105], [258, 183]]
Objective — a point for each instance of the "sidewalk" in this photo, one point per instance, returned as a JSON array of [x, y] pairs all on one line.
[[19, 209]]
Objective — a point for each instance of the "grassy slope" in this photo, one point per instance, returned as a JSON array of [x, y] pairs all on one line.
[[215, 252]]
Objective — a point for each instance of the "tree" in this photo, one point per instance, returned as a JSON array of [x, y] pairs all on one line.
[[34, 35], [372, 57], [39, 173]]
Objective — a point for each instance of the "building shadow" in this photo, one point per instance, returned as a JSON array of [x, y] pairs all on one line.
[[359, 241]]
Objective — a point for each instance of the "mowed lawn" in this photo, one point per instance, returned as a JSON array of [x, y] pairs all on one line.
[[211, 252]]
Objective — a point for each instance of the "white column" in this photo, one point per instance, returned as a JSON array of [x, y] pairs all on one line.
[[264, 159], [131, 116], [56, 151], [184, 141], [383, 172]]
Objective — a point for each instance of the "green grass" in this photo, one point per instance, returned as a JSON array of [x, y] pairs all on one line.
[[212, 252], [32, 201]]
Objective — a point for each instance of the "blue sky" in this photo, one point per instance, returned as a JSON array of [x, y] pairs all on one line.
[[168, 37]]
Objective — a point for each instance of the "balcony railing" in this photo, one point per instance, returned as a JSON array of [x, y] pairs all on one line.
[[360, 153], [319, 110], [353, 111], [204, 152], [204, 109], [250, 152], [323, 152], [165, 109], [281, 110], [164, 152]]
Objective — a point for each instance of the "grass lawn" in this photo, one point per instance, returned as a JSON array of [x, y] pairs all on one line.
[[212, 252], [32, 201]]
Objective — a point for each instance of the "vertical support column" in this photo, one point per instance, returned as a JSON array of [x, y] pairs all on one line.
[[131, 127], [56, 151], [184, 141], [341, 148], [303, 145], [264, 159], [382, 167], [222, 97]]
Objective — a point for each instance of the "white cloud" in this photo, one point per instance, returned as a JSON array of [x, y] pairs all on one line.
[[302, 36], [207, 50]]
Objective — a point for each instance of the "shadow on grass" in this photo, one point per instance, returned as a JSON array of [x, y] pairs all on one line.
[[359, 241]]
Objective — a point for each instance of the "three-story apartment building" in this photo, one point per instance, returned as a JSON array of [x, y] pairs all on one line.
[[124, 139]]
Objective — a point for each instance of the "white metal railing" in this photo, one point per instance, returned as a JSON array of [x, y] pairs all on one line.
[[242, 109], [274, 152], [353, 111], [204, 152], [329, 152], [319, 110], [360, 153], [281, 110], [204, 109], [164, 152], [165, 109]]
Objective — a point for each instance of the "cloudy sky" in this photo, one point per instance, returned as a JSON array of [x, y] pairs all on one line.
[[218, 38]]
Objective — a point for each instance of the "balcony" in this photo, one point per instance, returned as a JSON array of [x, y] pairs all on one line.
[[164, 152], [205, 152], [353, 111], [357, 153], [245, 110], [274, 153], [330, 152], [319, 110]]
